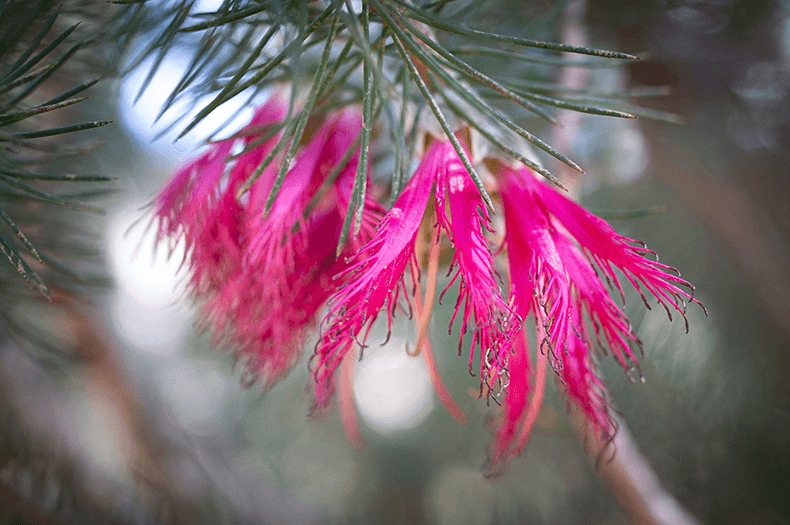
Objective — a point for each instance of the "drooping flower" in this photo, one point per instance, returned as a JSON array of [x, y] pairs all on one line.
[[199, 205], [561, 260], [289, 257], [478, 290], [376, 278], [261, 276]]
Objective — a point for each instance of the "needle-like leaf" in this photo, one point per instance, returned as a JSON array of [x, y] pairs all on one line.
[[42, 78], [20, 235], [71, 92], [444, 25], [296, 137], [59, 130], [401, 156], [24, 68], [426, 93], [6, 87], [36, 194], [360, 183], [476, 102], [64, 177], [231, 17], [622, 215], [11, 118], [222, 97], [531, 58], [484, 131]]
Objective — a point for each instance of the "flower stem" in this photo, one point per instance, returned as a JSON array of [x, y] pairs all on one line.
[[537, 397], [348, 414]]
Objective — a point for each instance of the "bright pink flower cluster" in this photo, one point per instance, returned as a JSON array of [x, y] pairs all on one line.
[[261, 276]]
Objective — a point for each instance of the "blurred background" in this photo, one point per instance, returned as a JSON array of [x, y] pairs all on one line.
[[140, 420]]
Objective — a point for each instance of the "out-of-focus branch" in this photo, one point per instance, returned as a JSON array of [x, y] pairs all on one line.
[[629, 476], [106, 381]]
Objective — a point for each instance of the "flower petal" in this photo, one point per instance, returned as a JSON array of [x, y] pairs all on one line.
[[375, 277]]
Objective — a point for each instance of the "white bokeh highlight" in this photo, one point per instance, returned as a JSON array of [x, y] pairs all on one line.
[[139, 116], [147, 307], [392, 390]]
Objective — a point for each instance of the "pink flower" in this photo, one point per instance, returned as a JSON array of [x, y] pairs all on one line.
[[262, 276], [375, 280], [556, 250], [289, 256], [200, 207]]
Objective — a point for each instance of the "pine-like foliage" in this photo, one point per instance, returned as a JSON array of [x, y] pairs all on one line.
[[405, 63], [37, 44], [45, 58]]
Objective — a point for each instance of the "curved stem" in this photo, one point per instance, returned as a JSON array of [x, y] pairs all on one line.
[[348, 414], [537, 397], [423, 318]]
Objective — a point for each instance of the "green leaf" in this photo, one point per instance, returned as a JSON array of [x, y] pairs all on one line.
[[33, 85], [483, 130], [611, 215], [59, 130], [195, 69], [6, 87], [331, 177], [16, 73], [353, 64], [426, 93], [356, 205], [163, 43], [401, 158], [473, 73], [35, 42], [341, 58], [34, 193], [416, 14], [361, 179], [231, 17], [223, 97], [547, 60], [8, 249], [581, 108], [71, 92], [228, 92], [20, 265], [318, 79], [281, 143], [20, 235], [11, 118], [20, 25], [56, 176], [476, 102]]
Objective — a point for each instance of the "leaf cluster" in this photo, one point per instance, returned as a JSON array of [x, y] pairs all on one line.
[[397, 59], [38, 50]]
